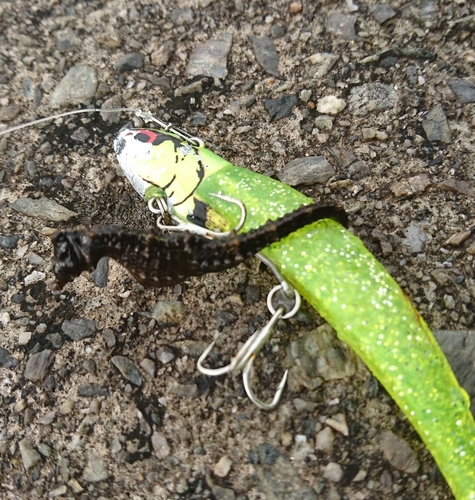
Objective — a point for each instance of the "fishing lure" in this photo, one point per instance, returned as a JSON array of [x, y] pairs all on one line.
[[326, 263], [337, 275]]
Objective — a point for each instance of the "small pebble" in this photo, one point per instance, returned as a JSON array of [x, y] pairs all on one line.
[[165, 355], [324, 122], [148, 366], [58, 492], [286, 439], [324, 440], [130, 62], [160, 446], [398, 453], [171, 311], [184, 390], [47, 418], [24, 338], [333, 472], [29, 456], [330, 105], [338, 422], [38, 365], [128, 369], [95, 469], [66, 407], [222, 468]]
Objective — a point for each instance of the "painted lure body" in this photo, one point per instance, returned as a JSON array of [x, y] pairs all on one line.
[[336, 274]]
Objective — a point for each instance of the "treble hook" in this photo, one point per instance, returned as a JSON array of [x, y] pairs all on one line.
[[163, 210], [244, 359]]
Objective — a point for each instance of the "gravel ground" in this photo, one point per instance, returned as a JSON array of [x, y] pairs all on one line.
[[99, 392]]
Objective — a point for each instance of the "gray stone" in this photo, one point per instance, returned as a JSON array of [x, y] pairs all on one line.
[[8, 113], [459, 348], [320, 353], [95, 469], [277, 31], [80, 135], [371, 97], [442, 277], [358, 170], [415, 236], [398, 453], [79, 329], [321, 64], [47, 419], [382, 12], [90, 365], [164, 355], [280, 107], [108, 105], [306, 171], [130, 62], [38, 365], [92, 390], [167, 312], [160, 445], [109, 338], [67, 40], [43, 208], [219, 492], [424, 12], [100, 275], [7, 360], [266, 55], [342, 25], [386, 246], [29, 456], [184, 390], [162, 55], [192, 88], [210, 59], [324, 440], [9, 242], [28, 86], [333, 472], [58, 492], [181, 16], [128, 369], [149, 366], [435, 125], [277, 477], [449, 302], [199, 119], [302, 405], [78, 86], [324, 123], [463, 89], [36, 260], [342, 157], [45, 450], [459, 187]]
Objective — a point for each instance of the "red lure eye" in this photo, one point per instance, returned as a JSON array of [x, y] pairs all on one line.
[[146, 136]]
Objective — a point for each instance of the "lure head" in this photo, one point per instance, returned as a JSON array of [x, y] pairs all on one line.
[[157, 161], [71, 256], [155, 158]]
